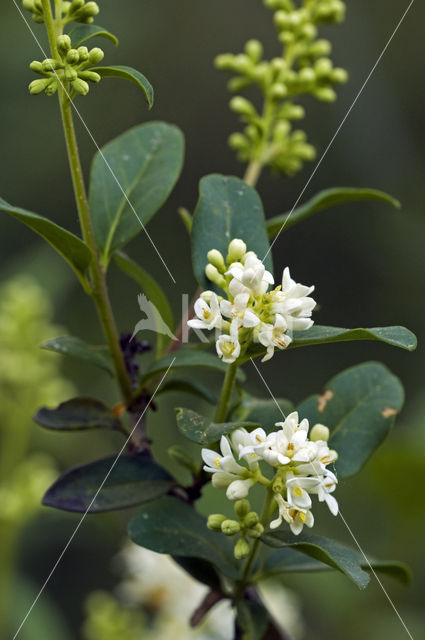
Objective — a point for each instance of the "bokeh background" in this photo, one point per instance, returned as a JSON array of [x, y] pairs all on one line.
[[366, 260]]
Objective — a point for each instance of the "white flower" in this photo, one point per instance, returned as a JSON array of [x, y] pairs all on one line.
[[326, 485], [249, 445], [238, 310], [252, 274], [227, 473], [298, 490], [228, 347], [283, 446], [317, 456], [296, 517], [209, 315], [293, 303], [272, 336]]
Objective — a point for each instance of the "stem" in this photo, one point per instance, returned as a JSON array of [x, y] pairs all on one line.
[[99, 291], [253, 172], [226, 393]]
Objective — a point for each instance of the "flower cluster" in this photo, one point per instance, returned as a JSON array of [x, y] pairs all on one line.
[[250, 313], [299, 462], [70, 69], [75, 11], [303, 68]]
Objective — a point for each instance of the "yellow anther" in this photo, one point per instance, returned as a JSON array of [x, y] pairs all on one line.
[[301, 516], [217, 462], [298, 491]]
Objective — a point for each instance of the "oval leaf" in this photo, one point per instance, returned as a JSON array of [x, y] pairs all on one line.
[[323, 549], [142, 167], [227, 208], [85, 32], [359, 406], [128, 73], [201, 430], [133, 480], [76, 253], [324, 200], [77, 348], [78, 414], [174, 527]]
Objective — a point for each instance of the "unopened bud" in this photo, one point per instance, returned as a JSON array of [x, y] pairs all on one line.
[[51, 88], [96, 55], [256, 531], [80, 86], [339, 75], [251, 519], [50, 64], [91, 9], [73, 57], [212, 274], [37, 67], [319, 432], [326, 94], [38, 86], [64, 43], [71, 73], [242, 106], [215, 521], [236, 250], [241, 549], [278, 91], [323, 67], [76, 4], [254, 49], [242, 508], [230, 527], [92, 76], [306, 75], [216, 259], [83, 53]]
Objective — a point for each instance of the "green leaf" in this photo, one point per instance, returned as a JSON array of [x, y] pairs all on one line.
[[155, 295], [324, 200], [290, 560], [78, 414], [77, 348], [227, 208], [395, 336], [201, 570], [188, 386], [188, 358], [85, 32], [76, 253], [174, 527], [142, 166], [323, 549], [359, 405], [264, 411], [133, 480], [128, 73], [252, 619], [201, 430]]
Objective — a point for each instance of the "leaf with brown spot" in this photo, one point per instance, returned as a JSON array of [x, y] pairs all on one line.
[[323, 400], [388, 412]]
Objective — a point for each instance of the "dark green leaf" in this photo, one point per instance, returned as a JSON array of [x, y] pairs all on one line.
[[155, 296], [78, 414], [188, 358], [324, 200], [201, 570], [290, 560], [85, 32], [142, 166], [77, 348], [128, 73], [227, 208], [201, 430], [252, 619], [174, 527], [323, 549], [188, 386], [359, 405], [264, 411], [395, 336], [76, 253], [132, 481]]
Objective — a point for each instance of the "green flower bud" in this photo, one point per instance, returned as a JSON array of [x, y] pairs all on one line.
[[242, 106], [70, 73], [83, 53], [215, 521], [224, 61], [180, 455], [320, 48], [237, 141], [306, 76], [91, 9], [256, 531], [50, 64], [319, 432], [96, 55], [242, 508], [51, 88], [241, 63], [236, 250], [278, 91], [308, 31], [241, 549], [254, 49], [230, 527], [278, 483], [28, 5], [323, 67], [73, 57], [282, 20], [92, 76], [37, 67], [326, 94], [38, 86], [251, 519], [76, 4], [216, 259], [287, 37], [80, 86], [64, 43], [339, 76], [212, 274]]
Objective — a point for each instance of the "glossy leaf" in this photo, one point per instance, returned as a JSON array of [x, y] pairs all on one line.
[[78, 414], [252, 619], [394, 336], [324, 200], [227, 208], [323, 549], [132, 481], [188, 386], [188, 358], [85, 32], [155, 296], [171, 526], [141, 168], [76, 253], [77, 348], [201, 430], [359, 405], [265, 411], [128, 73], [290, 560]]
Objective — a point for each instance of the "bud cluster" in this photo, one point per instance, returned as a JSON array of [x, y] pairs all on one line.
[[71, 68], [75, 11], [303, 68], [246, 526]]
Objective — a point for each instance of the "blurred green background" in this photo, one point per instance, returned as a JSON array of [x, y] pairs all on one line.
[[366, 260]]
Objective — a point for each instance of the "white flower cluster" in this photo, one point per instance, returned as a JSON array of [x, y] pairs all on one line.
[[300, 462], [250, 313]]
